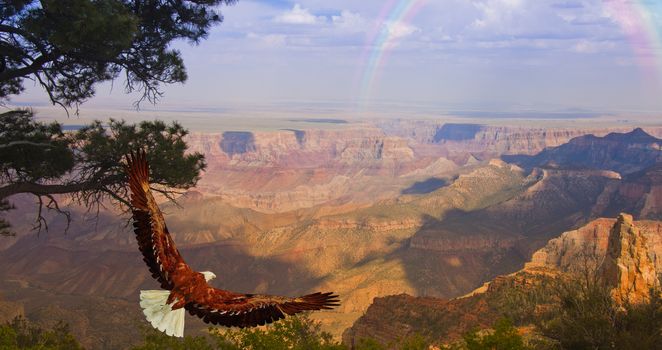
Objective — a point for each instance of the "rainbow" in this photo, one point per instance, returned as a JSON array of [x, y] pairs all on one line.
[[637, 20], [382, 40]]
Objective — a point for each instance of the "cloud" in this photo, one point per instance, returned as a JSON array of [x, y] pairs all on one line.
[[349, 21], [399, 30], [496, 12], [299, 15], [450, 27], [586, 46], [568, 5], [269, 40]]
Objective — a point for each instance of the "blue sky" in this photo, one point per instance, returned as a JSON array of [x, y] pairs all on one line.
[[501, 55]]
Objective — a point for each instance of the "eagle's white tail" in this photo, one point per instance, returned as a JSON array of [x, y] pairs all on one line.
[[159, 314]]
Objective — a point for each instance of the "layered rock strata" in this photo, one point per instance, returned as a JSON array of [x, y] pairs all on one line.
[[628, 268]]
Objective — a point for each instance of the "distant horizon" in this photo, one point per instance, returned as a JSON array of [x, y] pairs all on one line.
[[295, 116]]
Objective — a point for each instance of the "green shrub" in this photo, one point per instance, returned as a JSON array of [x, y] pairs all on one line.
[[21, 334], [293, 333], [369, 344], [504, 337], [588, 318], [414, 342]]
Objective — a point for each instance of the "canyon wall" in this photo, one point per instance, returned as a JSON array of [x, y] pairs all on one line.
[[359, 211], [278, 171]]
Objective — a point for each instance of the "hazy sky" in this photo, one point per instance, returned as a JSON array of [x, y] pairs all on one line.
[[505, 55]]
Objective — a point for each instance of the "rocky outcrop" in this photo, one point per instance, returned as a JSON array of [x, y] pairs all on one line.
[[625, 153], [566, 253], [285, 170], [478, 138], [395, 317], [644, 191], [628, 268], [376, 149], [298, 148], [627, 248], [623, 251]]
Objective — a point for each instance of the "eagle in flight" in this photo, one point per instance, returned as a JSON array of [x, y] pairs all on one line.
[[186, 289]]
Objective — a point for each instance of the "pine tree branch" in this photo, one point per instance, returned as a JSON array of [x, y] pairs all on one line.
[[42, 189], [25, 143]]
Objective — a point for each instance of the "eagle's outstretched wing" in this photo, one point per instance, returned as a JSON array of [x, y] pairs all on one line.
[[212, 305], [154, 240], [248, 310]]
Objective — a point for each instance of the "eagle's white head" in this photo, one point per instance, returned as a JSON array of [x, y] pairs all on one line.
[[208, 275]]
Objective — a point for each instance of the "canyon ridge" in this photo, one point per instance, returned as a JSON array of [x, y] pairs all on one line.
[[432, 209]]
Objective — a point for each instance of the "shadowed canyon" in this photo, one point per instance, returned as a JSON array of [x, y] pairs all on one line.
[[371, 209]]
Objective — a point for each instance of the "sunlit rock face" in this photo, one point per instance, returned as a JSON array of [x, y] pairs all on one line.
[[623, 250], [567, 252], [628, 268]]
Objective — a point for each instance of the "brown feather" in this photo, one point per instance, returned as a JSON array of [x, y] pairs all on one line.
[[254, 310]]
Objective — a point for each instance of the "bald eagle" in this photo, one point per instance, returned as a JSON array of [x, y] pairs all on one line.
[[186, 289]]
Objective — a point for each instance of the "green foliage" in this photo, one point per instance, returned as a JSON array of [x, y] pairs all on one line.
[[42, 160], [369, 344], [577, 311], [156, 340], [521, 302], [640, 326], [504, 337], [32, 151], [585, 317], [21, 334], [588, 318], [67, 46], [411, 342], [79, 27], [293, 333], [414, 342], [104, 146]]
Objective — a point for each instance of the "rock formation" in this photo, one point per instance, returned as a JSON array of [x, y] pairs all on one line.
[[502, 139], [564, 252], [628, 268], [627, 248], [625, 153]]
